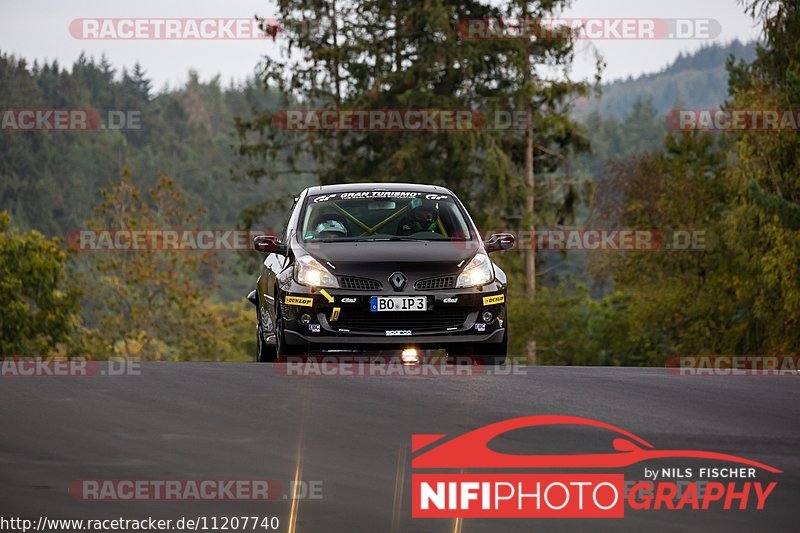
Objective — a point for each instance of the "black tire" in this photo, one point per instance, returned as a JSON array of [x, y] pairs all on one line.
[[265, 352]]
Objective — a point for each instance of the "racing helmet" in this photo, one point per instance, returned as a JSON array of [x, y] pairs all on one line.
[[424, 213], [330, 229]]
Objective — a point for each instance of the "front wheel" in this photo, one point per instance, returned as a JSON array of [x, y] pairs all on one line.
[[265, 352]]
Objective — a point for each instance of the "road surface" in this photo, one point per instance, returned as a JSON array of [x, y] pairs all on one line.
[[348, 438]]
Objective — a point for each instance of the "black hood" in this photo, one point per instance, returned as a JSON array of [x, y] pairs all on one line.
[[379, 259]]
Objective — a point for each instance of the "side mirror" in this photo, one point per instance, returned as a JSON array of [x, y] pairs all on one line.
[[268, 244], [499, 242]]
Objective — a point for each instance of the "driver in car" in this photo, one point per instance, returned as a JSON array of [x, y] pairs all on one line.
[[330, 229], [423, 215]]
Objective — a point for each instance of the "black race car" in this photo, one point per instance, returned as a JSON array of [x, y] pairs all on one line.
[[380, 267]]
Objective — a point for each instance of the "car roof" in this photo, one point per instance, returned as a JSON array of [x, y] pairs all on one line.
[[354, 187]]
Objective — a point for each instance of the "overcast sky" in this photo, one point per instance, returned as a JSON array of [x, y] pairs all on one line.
[[39, 29]]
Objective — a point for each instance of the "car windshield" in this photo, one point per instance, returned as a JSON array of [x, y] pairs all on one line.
[[383, 215]]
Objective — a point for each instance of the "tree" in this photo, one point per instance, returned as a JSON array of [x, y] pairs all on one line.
[[673, 302], [742, 294], [764, 219], [153, 304], [406, 55], [40, 307]]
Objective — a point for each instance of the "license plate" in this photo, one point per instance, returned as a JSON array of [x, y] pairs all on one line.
[[398, 303]]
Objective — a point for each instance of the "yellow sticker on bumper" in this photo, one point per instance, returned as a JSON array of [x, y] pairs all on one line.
[[326, 295], [297, 300], [496, 299], [335, 314]]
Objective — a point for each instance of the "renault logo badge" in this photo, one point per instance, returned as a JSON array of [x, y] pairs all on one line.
[[398, 281]]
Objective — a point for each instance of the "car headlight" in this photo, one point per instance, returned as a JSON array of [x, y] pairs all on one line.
[[478, 272], [308, 271]]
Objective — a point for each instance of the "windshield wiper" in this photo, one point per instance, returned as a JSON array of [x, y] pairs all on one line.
[[414, 239], [392, 238], [335, 239], [361, 239], [378, 239]]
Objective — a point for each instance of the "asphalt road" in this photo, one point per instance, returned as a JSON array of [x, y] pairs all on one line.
[[351, 437]]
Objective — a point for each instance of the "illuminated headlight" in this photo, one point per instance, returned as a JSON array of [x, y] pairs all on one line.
[[308, 271], [478, 272]]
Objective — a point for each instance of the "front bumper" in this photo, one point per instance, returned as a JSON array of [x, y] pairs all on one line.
[[342, 318], [356, 342]]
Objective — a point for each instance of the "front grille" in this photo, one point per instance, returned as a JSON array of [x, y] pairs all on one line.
[[359, 284], [432, 284], [416, 321]]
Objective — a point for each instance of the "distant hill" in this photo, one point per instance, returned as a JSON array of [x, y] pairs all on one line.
[[697, 80]]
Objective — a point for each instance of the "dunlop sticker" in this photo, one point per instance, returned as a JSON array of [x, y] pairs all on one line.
[[297, 300], [496, 299]]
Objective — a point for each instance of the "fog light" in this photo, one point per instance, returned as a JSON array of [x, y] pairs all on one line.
[[487, 316], [409, 356], [305, 318]]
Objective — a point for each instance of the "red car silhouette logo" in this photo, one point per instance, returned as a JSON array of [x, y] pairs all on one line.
[[471, 451]]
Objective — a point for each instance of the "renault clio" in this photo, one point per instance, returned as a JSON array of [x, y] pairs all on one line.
[[380, 267]]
